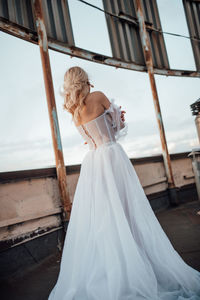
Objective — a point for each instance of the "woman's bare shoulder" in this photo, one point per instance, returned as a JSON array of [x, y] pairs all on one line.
[[101, 98]]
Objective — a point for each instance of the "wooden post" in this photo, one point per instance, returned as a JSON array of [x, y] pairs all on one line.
[[57, 145], [149, 65]]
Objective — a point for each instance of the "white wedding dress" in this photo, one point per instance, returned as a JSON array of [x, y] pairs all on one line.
[[115, 248]]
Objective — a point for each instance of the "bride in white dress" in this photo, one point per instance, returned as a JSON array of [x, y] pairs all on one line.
[[115, 248]]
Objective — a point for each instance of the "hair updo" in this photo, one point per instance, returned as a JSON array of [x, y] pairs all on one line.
[[76, 88]]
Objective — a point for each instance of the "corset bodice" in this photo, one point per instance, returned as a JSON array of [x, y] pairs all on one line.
[[105, 129]]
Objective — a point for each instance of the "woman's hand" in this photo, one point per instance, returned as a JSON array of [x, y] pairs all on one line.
[[122, 115]]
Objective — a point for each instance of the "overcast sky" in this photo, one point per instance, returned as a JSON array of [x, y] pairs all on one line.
[[25, 136]]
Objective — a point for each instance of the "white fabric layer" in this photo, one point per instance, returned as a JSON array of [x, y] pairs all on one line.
[[115, 248]]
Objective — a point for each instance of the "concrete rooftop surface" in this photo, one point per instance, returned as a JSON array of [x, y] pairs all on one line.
[[181, 224]]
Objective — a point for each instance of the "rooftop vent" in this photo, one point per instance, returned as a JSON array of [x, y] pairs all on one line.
[[195, 107]]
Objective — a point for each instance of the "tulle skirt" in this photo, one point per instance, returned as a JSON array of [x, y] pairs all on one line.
[[115, 248]]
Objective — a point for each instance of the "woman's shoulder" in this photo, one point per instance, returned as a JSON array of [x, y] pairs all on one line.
[[97, 93], [100, 98]]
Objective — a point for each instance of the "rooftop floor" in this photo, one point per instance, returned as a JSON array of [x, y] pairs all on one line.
[[181, 224]]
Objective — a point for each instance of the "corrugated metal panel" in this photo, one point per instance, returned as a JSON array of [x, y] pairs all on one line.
[[192, 12], [124, 35], [56, 17], [20, 11]]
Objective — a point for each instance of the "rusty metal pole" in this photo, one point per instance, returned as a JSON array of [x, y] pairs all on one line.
[[60, 166], [149, 64]]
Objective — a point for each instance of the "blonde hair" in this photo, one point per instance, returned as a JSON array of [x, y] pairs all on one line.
[[76, 87]]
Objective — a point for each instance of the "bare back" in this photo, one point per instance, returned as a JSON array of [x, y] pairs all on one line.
[[95, 104]]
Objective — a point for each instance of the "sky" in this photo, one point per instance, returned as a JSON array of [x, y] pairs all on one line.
[[25, 136]]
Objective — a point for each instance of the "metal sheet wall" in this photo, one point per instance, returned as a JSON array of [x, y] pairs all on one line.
[[56, 17], [16, 18], [192, 12], [124, 34]]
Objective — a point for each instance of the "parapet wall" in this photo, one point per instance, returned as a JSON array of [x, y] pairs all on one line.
[[30, 202]]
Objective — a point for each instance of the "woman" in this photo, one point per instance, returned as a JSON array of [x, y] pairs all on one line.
[[115, 248]]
